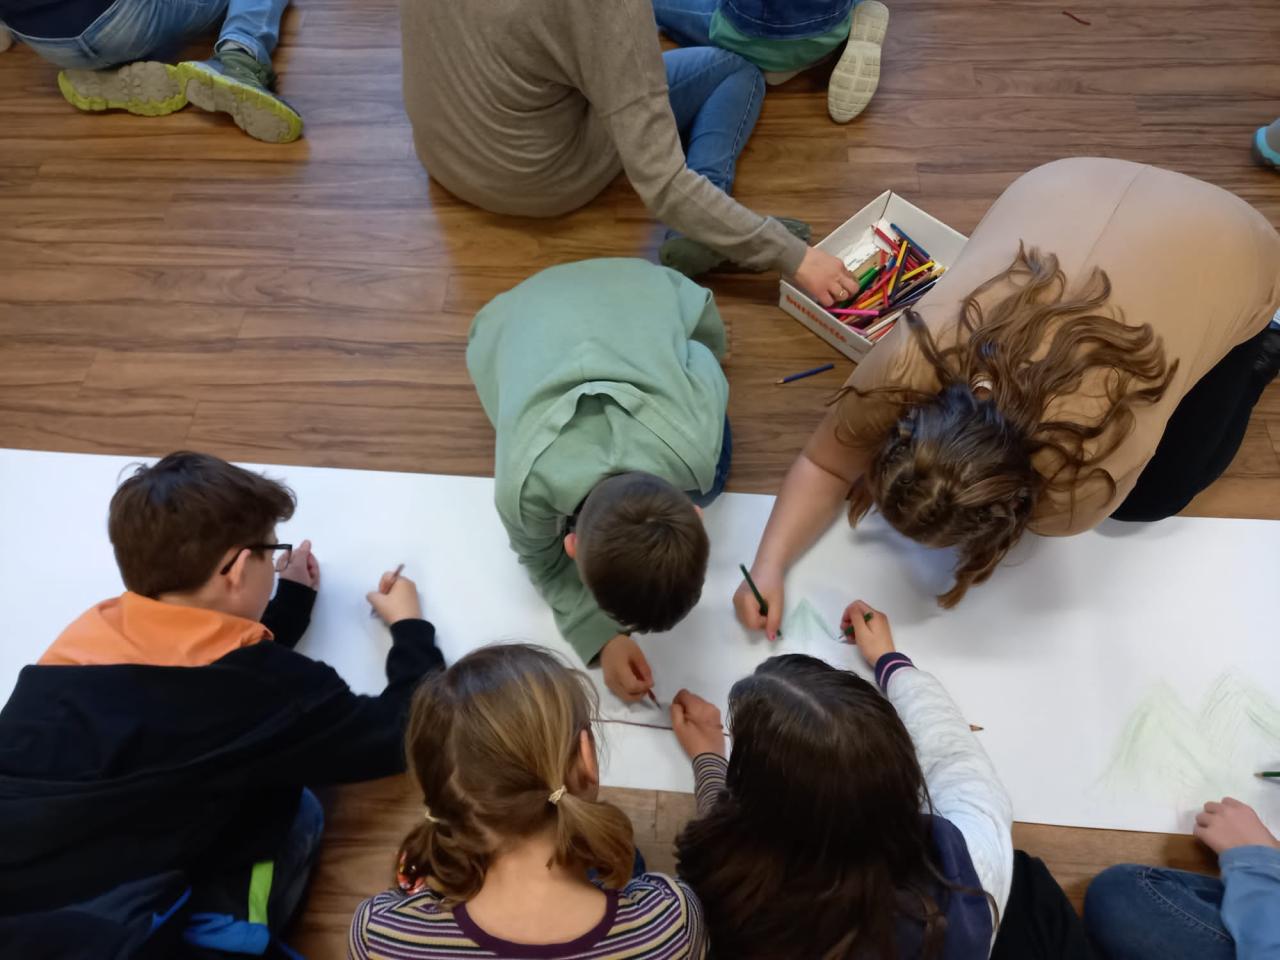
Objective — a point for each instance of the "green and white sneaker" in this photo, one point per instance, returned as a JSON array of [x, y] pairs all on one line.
[[853, 82], [145, 88], [234, 82]]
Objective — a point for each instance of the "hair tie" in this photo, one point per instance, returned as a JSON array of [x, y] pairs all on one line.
[[555, 796], [427, 816], [981, 383]]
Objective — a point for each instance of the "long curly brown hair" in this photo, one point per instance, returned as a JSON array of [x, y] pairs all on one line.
[[966, 466]]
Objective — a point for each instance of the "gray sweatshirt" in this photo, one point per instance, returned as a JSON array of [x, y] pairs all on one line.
[[531, 107]]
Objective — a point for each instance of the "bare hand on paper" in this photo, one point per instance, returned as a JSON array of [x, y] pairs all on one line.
[[873, 637], [626, 671], [303, 567], [825, 278], [1230, 824], [395, 599], [697, 725], [769, 582]]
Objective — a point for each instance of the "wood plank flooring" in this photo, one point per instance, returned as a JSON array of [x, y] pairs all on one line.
[[169, 282]]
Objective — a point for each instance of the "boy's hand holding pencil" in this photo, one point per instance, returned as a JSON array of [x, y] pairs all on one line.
[[626, 670], [396, 598]]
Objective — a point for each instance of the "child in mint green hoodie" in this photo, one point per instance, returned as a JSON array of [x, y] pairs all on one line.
[[602, 380]]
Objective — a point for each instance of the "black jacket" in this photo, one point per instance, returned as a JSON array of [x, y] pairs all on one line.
[[113, 774]]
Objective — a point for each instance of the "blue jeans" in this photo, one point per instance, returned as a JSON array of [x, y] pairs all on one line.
[[715, 96], [722, 471], [1149, 913], [688, 22], [147, 29]]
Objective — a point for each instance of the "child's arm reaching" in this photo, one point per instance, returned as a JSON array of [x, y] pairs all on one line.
[[1249, 857], [697, 725], [963, 785], [289, 613]]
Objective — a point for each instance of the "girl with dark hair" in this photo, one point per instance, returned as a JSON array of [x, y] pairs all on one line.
[[1095, 351], [811, 841], [515, 855]]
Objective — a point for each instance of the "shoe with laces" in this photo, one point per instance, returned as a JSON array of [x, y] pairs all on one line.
[[235, 83]]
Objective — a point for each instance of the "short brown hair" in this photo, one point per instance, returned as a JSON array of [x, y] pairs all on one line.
[[171, 523], [642, 551], [490, 742]]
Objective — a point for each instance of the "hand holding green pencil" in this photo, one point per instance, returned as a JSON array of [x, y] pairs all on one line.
[[758, 601], [869, 629]]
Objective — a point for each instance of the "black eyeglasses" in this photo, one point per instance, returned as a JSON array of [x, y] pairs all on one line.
[[273, 547]]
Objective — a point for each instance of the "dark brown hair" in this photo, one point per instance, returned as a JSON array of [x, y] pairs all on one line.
[[489, 741], [642, 551], [966, 466], [171, 523], [816, 848]]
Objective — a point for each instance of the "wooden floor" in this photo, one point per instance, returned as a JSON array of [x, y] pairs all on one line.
[[171, 283]]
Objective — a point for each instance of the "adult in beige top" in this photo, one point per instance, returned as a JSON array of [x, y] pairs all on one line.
[[531, 107], [1052, 399]]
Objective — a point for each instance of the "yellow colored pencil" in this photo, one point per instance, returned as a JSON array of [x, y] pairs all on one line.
[[920, 269], [893, 281]]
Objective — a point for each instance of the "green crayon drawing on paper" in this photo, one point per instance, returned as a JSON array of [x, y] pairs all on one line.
[[1167, 751], [805, 625]]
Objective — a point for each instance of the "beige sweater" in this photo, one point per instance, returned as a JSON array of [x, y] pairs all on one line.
[[531, 107], [1194, 261]]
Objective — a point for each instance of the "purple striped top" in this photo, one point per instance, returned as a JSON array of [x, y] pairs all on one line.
[[652, 918]]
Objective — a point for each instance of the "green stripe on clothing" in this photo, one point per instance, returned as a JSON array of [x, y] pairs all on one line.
[[260, 890], [778, 55]]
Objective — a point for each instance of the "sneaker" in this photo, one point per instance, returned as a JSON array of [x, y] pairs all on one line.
[[855, 78], [1263, 152], [234, 82], [145, 88]]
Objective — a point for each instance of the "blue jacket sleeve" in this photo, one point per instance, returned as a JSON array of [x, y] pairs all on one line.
[[1251, 902]]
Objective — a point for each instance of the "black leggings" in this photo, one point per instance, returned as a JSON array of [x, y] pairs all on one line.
[[1204, 433], [1039, 922]]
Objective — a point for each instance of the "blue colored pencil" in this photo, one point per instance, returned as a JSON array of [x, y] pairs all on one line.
[[807, 373], [903, 234]]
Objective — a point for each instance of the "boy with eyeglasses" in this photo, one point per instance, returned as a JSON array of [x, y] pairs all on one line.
[[154, 763]]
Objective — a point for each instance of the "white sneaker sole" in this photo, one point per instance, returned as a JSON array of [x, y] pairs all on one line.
[[856, 76]]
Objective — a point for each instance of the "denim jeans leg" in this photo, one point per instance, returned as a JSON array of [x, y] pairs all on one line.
[[130, 30], [1135, 913], [716, 97], [254, 25], [687, 22], [705, 500]]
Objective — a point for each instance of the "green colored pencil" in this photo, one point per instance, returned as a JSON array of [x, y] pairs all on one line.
[[866, 618], [764, 607], [1270, 774]]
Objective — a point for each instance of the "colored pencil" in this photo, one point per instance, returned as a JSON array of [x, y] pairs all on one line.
[[866, 618], [1270, 774], [647, 726], [807, 373], [914, 294], [844, 312], [394, 577], [903, 234], [974, 729], [918, 270], [764, 606], [893, 281]]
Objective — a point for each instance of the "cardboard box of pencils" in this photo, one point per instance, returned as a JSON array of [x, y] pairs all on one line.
[[871, 243]]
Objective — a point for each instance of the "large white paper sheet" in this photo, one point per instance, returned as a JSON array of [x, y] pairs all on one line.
[[1122, 677]]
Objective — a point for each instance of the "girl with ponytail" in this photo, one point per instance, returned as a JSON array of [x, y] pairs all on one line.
[[515, 855]]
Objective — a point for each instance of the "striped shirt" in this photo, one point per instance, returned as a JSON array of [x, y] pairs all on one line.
[[652, 918]]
